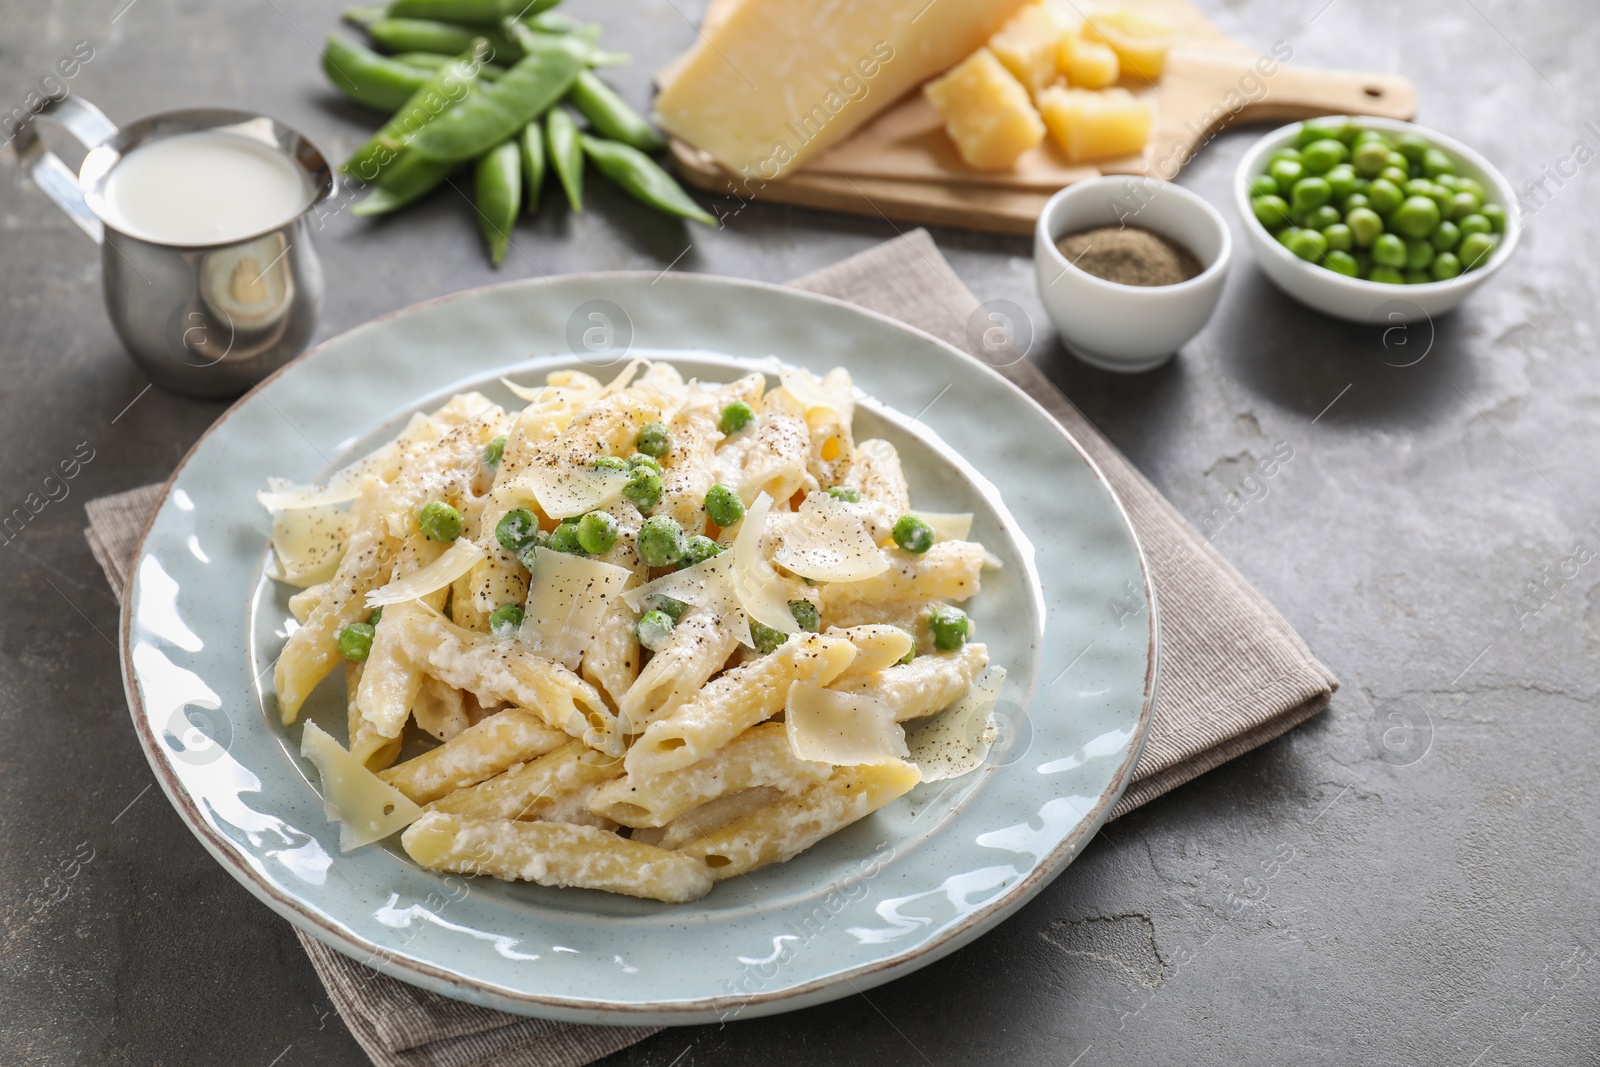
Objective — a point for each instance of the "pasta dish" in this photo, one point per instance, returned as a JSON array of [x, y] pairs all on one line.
[[638, 636]]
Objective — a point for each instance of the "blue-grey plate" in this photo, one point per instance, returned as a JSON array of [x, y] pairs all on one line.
[[1070, 615]]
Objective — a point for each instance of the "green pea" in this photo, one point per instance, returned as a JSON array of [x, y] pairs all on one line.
[[367, 77], [674, 609], [1411, 145], [913, 534], [610, 116], [565, 154], [1310, 193], [1384, 196], [1435, 161], [1476, 249], [597, 532], [1419, 253], [1364, 136], [1463, 204], [661, 541], [1417, 216], [493, 451], [1496, 216], [1446, 236], [1286, 172], [439, 521], [846, 493], [735, 417], [1416, 277], [498, 183], [766, 638], [643, 179], [495, 112], [1472, 224], [1342, 180], [1342, 263], [1272, 211], [1353, 201], [1445, 266], [950, 627], [1417, 187], [1473, 186], [639, 459], [1396, 176], [355, 641], [610, 463], [1365, 226], [505, 620], [653, 629], [1386, 275], [1263, 185], [698, 549], [723, 505], [806, 615], [1314, 130], [1338, 237], [564, 538], [1370, 158], [654, 439], [1319, 218], [519, 534], [1309, 245], [1319, 157], [643, 489], [530, 145], [1389, 251], [1287, 152]]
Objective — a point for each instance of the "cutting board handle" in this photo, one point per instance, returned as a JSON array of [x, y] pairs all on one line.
[[1305, 92]]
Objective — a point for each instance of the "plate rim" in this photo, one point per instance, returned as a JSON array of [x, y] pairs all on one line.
[[440, 979]]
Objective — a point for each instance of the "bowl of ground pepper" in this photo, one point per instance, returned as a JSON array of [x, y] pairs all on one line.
[[1129, 269]]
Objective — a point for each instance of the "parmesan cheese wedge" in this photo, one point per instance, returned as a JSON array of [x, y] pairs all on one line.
[[567, 601], [458, 559], [845, 729], [366, 807]]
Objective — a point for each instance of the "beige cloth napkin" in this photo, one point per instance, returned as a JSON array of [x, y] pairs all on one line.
[[1234, 675]]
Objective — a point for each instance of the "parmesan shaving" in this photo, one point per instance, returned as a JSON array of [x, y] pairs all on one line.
[[458, 559], [565, 492], [948, 526], [845, 729], [283, 495], [625, 378], [366, 807], [567, 601], [829, 542], [307, 543], [806, 387], [957, 740], [532, 394], [760, 591]]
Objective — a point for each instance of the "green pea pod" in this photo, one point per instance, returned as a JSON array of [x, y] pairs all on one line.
[[432, 61], [566, 154], [499, 190], [369, 78], [445, 90], [494, 112], [364, 14], [555, 22], [582, 42], [641, 178], [468, 12], [610, 115], [441, 38], [531, 143], [410, 178]]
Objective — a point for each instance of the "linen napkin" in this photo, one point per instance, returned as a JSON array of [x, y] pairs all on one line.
[[1234, 675]]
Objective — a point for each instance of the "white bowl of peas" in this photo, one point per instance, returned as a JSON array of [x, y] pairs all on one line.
[[1373, 220]]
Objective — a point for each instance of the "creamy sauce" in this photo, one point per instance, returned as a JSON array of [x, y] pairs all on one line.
[[203, 188]]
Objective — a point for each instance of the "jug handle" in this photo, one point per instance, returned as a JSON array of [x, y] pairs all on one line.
[[90, 126]]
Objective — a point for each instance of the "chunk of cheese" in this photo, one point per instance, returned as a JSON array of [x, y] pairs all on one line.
[[366, 807], [1090, 124], [776, 82], [1091, 65], [987, 112], [1030, 43], [568, 597], [1140, 41]]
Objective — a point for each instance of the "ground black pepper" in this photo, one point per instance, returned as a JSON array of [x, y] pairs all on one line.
[[1128, 255]]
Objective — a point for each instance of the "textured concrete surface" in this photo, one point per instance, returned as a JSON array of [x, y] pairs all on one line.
[[1409, 879]]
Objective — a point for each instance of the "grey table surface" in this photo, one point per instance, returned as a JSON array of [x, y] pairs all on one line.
[[1410, 878]]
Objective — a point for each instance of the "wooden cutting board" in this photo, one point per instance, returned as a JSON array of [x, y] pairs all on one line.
[[903, 167]]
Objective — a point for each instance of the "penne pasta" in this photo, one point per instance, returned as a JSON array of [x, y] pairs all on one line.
[[947, 571], [532, 789], [927, 685], [708, 817], [367, 745], [696, 649], [476, 754]]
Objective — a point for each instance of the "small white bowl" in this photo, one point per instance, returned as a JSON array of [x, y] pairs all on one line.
[[1356, 299], [1129, 328]]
